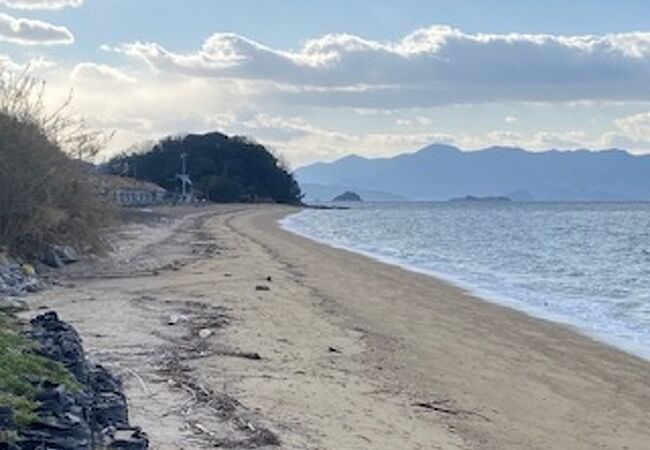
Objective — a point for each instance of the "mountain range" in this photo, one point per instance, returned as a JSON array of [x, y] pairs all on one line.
[[441, 172]]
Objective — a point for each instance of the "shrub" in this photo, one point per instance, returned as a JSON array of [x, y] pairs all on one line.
[[46, 196]]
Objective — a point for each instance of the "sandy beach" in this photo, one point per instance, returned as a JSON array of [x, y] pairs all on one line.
[[229, 331]]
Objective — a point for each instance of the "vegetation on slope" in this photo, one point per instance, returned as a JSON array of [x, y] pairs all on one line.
[[21, 369], [46, 195], [222, 168]]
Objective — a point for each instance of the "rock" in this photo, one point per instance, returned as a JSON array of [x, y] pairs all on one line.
[[205, 333], [102, 381], [12, 305], [57, 256], [94, 416], [109, 410], [16, 279], [127, 439], [50, 257], [177, 318], [262, 288], [60, 342], [63, 425], [6, 418], [67, 254]]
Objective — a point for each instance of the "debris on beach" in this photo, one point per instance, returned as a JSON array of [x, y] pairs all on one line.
[[205, 333], [176, 318]]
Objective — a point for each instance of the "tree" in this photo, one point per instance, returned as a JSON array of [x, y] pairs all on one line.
[[222, 168]]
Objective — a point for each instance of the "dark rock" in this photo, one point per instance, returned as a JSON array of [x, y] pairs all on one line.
[[262, 288], [60, 342], [110, 410], [64, 424], [127, 439], [91, 417], [51, 257], [67, 254], [6, 418], [102, 381]]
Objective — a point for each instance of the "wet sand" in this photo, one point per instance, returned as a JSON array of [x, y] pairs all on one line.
[[353, 353]]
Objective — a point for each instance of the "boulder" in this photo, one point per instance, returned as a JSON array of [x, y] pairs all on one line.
[[60, 342], [63, 424], [127, 439], [51, 257], [67, 254]]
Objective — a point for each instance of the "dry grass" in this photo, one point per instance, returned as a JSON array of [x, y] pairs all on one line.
[[46, 196]]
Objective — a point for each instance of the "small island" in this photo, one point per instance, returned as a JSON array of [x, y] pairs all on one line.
[[348, 196]]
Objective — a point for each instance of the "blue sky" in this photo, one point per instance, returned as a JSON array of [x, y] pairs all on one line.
[[318, 80]]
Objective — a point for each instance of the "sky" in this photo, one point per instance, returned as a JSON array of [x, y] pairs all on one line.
[[319, 80]]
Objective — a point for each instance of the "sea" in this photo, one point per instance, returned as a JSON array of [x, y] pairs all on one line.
[[586, 265]]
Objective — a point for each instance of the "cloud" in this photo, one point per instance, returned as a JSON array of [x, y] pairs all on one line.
[[92, 72], [511, 120], [633, 133], [414, 121], [636, 126], [35, 65], [41, 4], [32, 32], [433, 66]]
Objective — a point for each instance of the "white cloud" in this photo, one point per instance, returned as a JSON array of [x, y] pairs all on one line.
[[92, 72], [6, 63], [411, 121], [636, 126], [41, 4], [35, 65], [511, 120], [32, 32], [432, 66]]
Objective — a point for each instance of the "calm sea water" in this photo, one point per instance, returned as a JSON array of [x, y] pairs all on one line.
[[582, 264]]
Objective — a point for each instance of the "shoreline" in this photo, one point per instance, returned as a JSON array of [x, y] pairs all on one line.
[[541, 350], [571, 323], [329, 349]]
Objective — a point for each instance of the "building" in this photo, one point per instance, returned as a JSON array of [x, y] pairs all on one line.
[[129, 192]]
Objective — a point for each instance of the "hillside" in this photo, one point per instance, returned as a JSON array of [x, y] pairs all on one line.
[[222, 168], [441, 172]]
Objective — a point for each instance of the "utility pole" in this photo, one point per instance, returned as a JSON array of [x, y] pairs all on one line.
[[184, 177], [183, 173]]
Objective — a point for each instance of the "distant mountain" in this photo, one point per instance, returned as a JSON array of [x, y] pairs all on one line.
[[441, 172]]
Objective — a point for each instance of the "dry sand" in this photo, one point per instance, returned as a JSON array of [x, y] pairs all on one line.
[[353, 353]]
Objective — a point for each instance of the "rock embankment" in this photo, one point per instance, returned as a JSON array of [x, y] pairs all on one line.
[[17, 279], [91, 415]]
